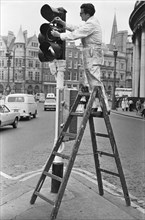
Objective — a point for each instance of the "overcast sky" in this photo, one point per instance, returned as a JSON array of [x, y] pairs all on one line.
[[26, 13]]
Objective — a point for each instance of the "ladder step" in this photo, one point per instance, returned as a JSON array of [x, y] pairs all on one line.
[[105, 153], [61, 155], [83, 93], [79, 114], [102, 135], [97, 114], [69, 135], [44, 198], [53, 176], [109, 172]]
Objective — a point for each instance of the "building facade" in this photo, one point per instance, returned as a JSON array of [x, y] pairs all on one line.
[[137, 25]]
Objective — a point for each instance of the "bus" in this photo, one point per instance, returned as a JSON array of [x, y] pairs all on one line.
[[119, 92]]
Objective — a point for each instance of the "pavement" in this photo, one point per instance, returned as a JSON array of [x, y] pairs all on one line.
[[81, 200]]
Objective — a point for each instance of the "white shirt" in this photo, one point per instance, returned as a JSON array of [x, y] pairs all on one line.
[[90, 33]]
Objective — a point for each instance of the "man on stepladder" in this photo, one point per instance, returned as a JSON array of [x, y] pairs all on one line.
[[90, 34]]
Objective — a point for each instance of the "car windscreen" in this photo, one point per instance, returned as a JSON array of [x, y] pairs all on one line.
[[15, 99]]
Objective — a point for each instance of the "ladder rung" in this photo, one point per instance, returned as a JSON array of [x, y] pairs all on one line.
[[83, 93], [105, 153], [77, 114], [109, 172], [44, 198], [102, 135], [69, 135], [96, 114], [52, 176], [61, 155]]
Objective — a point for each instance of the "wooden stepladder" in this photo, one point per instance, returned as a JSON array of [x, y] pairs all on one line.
[[88, 115]]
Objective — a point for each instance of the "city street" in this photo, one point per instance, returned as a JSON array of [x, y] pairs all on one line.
[[26, 149]]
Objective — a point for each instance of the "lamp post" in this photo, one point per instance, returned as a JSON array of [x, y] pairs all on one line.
[[115, 51], [9, 56]]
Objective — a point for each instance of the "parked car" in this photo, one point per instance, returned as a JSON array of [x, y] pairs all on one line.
[[50, 104], [40, 97], [25, 103], [8, 117]]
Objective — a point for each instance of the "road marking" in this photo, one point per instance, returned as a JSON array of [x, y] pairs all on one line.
[[29, 177], [19, 176]]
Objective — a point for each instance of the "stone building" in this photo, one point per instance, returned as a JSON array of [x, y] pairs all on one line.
[[137, 25], [20, 69]]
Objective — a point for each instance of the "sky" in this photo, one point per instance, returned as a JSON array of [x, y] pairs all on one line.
[[26, 13]]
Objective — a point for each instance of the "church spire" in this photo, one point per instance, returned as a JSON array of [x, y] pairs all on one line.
[[20, 37], [114, 31]]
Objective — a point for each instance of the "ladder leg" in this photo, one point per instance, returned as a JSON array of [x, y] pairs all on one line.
[[96, 158], [115, 151], [118, 162], [73, 156]]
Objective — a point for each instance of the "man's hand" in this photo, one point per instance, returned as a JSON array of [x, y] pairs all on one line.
[[55, 33], [59, 21]]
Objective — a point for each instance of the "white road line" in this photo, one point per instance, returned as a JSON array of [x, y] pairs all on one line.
[[19, 176], [29, 177]]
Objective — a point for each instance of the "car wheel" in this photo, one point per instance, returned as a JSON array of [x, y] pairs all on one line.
[[34, 116], [29, 117], [15, 123]]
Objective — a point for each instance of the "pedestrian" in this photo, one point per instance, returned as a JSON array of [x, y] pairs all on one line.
[[138, 106], [130, 105], [123, 104], [143, 109], [90, 34], [126, 104]]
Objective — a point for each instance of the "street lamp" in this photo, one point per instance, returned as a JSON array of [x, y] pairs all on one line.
[[115, 51], [9, 56]]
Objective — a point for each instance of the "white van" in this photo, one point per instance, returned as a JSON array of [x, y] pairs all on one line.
[[24, 103]]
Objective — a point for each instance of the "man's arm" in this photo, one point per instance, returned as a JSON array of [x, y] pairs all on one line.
[[81, 32]]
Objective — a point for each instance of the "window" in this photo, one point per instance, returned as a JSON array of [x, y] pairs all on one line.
[[109, 63], [30, 64], [30, 75], [75, 76], [122, 65], [16, 99], [2, 75], [37, 76], [69, 75], [37, 64], [121, 76], [103, 74], [75, 54], [1, 63], [70, 64], [34, 44], [75, 64], [69, 53], [109, 74]]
